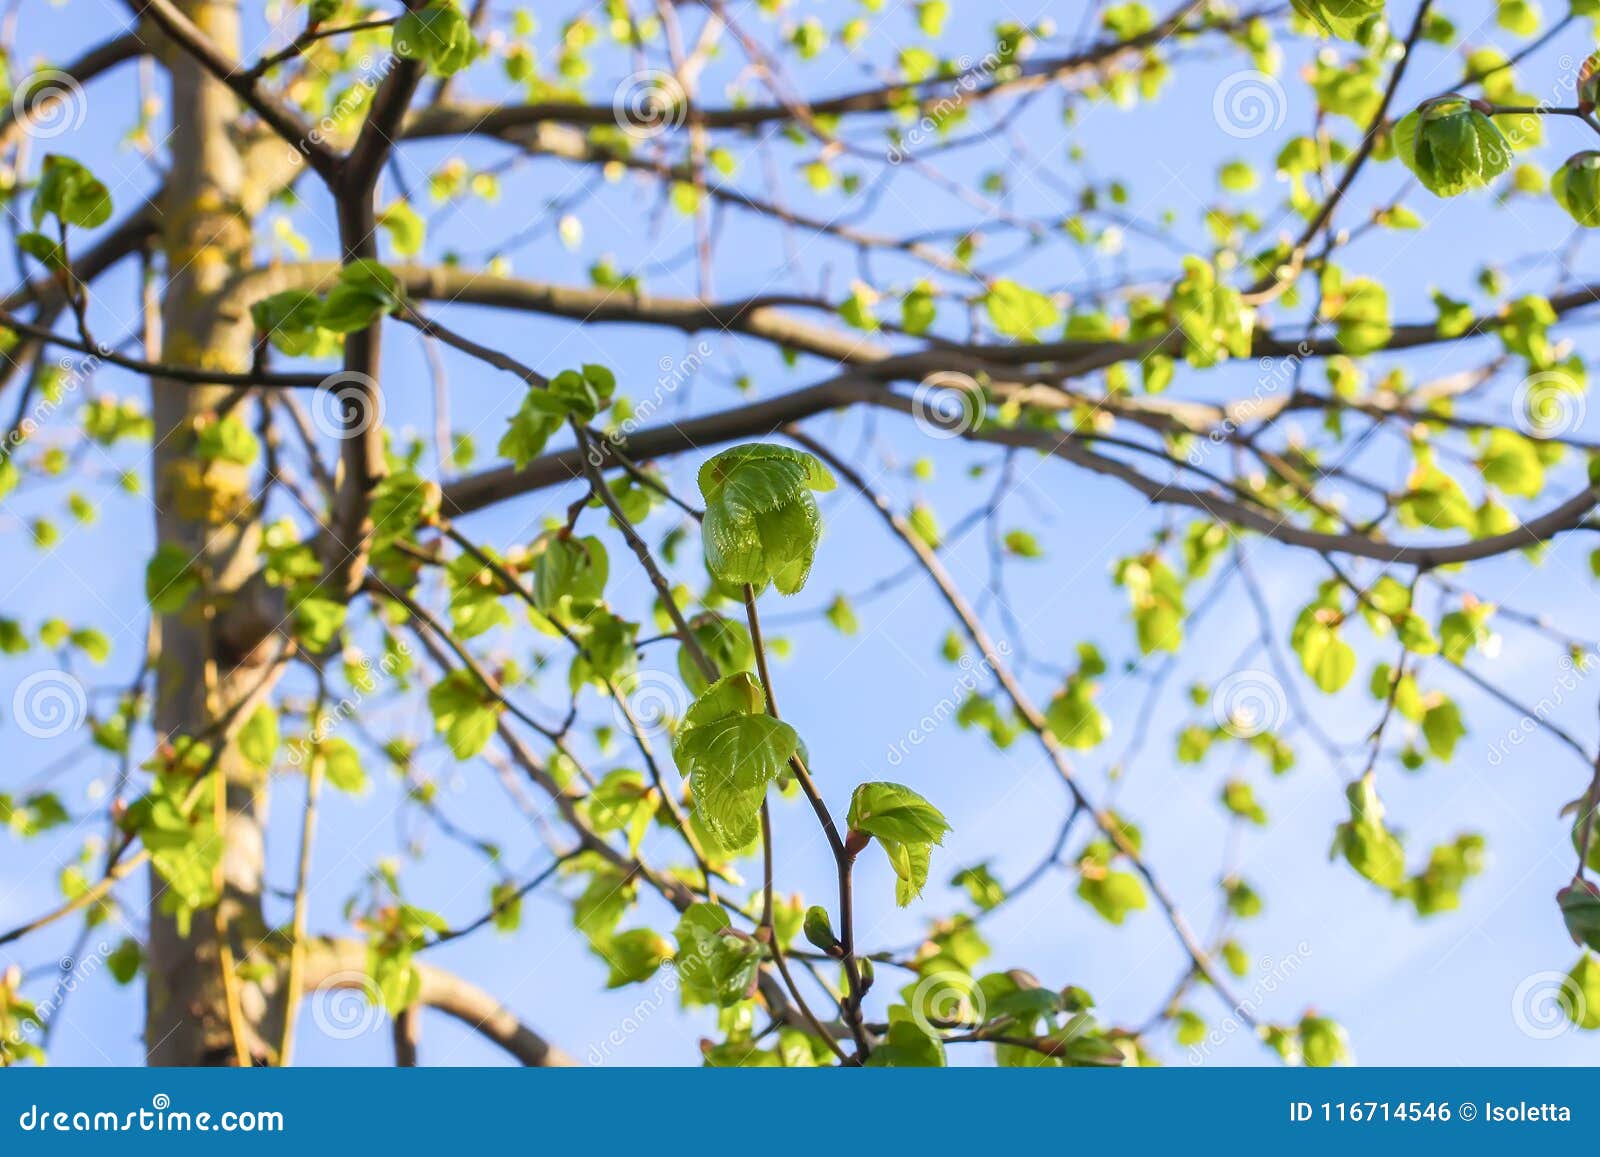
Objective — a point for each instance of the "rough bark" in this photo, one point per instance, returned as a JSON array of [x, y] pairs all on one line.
[[208, 660]]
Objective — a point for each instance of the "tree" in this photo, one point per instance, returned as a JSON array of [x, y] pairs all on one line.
[[311, 565]]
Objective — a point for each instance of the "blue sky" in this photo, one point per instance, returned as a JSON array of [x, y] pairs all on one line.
[[1439, 991]]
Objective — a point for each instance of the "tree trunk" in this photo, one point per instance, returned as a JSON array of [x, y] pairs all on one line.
[[205, 664]]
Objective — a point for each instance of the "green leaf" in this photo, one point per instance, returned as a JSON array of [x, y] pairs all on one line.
[[291, 321], [1369, 847], [634, 956], [1323, 1042], [341, 764], [1359, 309], [1341, 18], [405, 227], [1512, 463], [364, 292], [761, 523], [1019, 312], [1239, 798], [892, 811], [1451, 146], [569, 574], [72, 193], [1576, 188], [986, 891], [463, 712], [731, 750], [1215, 322], [227, 440], [318, 621], [581, 393], [1580, 910], [843, 616], [1580, 996], [170, 579], [1074, 717], [715, 964], [1443, 728], [438, 36], [918, 309], [258, 738], [125, 961], [1112, 893], [907, 1045], [1326, 658]]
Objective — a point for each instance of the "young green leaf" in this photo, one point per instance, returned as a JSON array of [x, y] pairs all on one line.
[[762, 524], [1451, 146], [439, 36], [731, 750], [906, 825]]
